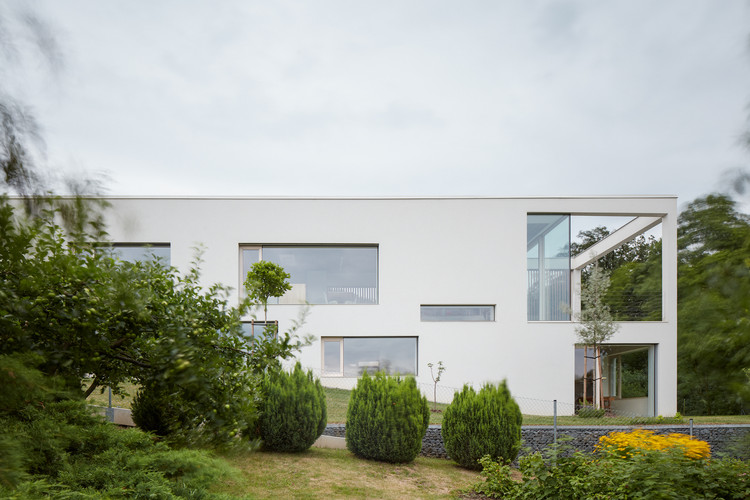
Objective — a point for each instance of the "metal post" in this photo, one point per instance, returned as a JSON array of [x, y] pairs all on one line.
[[110, 410], [554, 419], [691, 427]]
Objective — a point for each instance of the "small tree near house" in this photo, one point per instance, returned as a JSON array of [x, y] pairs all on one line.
[[265, 280], [435, 380], [596, 326]]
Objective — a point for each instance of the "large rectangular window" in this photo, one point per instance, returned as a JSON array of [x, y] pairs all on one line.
[[132, 252], [352, 356], [321, 274], [548, 265], [457, 313]]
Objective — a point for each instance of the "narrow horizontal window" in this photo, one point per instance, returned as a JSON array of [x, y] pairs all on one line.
[[352, 356], [457, 313], [143, 252]]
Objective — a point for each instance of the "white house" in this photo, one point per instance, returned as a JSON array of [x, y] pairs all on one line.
[[484, 285]]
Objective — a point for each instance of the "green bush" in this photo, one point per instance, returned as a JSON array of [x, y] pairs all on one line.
[[387, 418], [293, 410], [659, 474], [56, 447], [487, 423]]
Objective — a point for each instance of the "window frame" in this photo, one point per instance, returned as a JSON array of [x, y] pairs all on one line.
[[112, 246], [260, 246], [342, 339], [253, 323], [457, 319]]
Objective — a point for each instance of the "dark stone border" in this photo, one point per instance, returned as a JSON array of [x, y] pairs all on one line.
[[584, 438]]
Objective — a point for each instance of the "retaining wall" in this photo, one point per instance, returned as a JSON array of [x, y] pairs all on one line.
[[537, 437]]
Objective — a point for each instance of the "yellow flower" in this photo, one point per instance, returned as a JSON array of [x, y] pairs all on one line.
[[625, 444]]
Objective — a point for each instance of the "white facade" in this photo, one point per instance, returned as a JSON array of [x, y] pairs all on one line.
[[429, 251]]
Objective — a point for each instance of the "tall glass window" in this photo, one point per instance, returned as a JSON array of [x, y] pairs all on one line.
[[548, 265], [322, 274]]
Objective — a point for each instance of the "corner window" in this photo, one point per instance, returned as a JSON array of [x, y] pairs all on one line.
[[626, 373], [548, 267], [143, 252], [457, 313], [352, 356], [321, 274]]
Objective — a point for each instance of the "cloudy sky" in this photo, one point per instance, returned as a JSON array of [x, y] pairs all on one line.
[[501, 98]]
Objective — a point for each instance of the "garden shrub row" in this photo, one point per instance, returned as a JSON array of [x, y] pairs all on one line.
[[635, 464], [388, 416]]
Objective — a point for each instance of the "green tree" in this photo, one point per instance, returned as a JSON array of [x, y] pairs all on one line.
[[714, 305], [84, 312], [596, 325], [265, 280]]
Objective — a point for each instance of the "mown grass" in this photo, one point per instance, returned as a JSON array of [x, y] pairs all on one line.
[[327, 473], [720, 419], [100, 396], [337, 402]]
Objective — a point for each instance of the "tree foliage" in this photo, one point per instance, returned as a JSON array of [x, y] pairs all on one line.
[[596, 323], [64, 298], [714, 306], [634, 270], [265, 280]]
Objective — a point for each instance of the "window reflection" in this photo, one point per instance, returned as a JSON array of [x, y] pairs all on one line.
[[129, 252], [548, 265], [322, 275], [391, 355]]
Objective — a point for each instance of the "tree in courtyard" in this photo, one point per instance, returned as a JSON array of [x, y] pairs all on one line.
[[265, 280], [596, 325]]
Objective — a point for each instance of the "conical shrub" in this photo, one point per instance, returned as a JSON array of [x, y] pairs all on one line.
[[487, 423], [293, 410], [387, 418]]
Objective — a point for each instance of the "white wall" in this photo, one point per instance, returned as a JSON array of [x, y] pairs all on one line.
[[431, 251]]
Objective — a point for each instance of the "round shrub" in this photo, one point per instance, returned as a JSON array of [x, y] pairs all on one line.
[[293, 410], [387, 418], [487, 423]]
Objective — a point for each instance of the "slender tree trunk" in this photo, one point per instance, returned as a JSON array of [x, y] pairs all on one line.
[[585, 372], [600, 378]]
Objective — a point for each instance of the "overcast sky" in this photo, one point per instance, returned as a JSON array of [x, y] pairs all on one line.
[[500, 98]]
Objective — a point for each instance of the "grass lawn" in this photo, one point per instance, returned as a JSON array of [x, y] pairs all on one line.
[[100, 398], [720, 419], [327, 473]]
